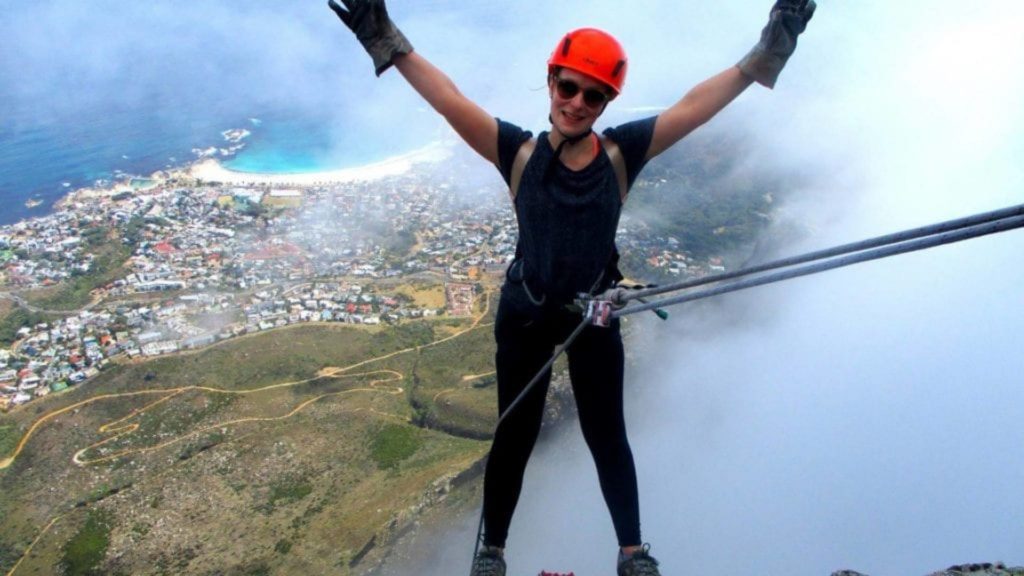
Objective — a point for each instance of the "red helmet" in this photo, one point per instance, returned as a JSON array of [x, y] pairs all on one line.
[[592, 52]]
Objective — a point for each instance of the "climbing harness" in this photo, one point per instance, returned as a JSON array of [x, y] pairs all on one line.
[[599, 312]]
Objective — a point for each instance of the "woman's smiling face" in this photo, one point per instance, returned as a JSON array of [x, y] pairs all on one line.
[[573, 116]]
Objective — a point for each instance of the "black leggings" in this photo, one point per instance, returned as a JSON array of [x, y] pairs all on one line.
[[526, 335]]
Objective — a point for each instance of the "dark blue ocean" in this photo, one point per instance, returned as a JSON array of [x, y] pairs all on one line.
[[93, 90]]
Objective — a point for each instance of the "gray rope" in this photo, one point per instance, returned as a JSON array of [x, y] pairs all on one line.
[[547, 366], [522, 395]]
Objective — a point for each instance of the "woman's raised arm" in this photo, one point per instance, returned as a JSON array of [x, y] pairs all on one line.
[[699, 105], [478, 128], [788, 18], [387, 46]]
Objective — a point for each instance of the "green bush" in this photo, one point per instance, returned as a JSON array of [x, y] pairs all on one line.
[[76, 291], [288, 490], [393, 444], [283, 546], [9, 438], [8, 556], [86, 550], [17, 319]]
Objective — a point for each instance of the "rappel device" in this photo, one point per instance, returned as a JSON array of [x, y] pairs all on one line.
[[600, 312]]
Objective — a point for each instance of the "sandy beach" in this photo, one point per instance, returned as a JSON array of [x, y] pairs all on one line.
[[212, 171]]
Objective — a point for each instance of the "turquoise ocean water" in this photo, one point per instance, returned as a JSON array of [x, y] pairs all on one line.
[[43, 160]]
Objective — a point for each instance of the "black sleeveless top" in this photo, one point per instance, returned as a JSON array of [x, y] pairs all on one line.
[[568, 219]]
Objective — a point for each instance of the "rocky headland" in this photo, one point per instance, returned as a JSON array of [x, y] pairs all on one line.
[[982, 569]]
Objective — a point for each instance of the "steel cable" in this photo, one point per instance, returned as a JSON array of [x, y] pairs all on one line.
[[887, 239], [891, 249]]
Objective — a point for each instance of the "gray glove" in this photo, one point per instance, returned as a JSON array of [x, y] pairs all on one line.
[[778, 40], [374, 30]]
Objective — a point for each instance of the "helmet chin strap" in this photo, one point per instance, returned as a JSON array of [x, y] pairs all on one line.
[[566, 139]]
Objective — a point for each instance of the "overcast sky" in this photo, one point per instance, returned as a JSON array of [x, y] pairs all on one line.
[[868, 418]]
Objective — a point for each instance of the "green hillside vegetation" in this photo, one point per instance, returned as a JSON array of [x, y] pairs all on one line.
[[110, 255], [702, 193], [284, 448], [9, 436], [443, 399], [84, 552], [72, 294], [392, 444], [15, 319]]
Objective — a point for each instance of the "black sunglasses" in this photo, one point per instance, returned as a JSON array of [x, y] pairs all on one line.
[[592, 97]]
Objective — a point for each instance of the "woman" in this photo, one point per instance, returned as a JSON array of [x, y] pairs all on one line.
[[568, 186]]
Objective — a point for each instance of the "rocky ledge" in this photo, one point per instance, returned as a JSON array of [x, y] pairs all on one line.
[[984, 569]]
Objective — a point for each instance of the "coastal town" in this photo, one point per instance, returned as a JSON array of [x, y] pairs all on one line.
[[186, 261]]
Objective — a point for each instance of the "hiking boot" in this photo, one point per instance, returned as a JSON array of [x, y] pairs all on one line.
[[639, 564], [488, 562]]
